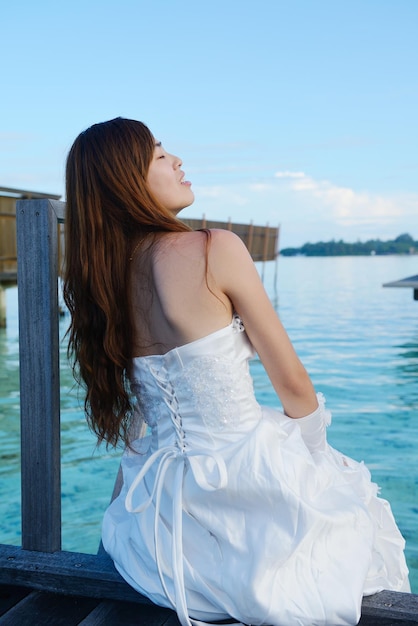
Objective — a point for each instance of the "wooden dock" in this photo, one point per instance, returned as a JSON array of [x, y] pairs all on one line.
[[20, 606], [39, 583], [69, 589], [8, 254], [41, 608], [411, 283]]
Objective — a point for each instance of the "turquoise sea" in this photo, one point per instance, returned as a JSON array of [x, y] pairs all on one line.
[[358, 341]]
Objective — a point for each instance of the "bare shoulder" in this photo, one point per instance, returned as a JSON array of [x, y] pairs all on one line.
[[229, 259], [227, 246], [188, 243], [194, 245], [226, 238], [179, 259]]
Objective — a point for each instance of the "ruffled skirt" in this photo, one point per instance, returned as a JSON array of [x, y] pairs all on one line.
[[265, 530]]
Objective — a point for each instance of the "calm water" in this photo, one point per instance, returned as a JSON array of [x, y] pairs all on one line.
[[358, 341]]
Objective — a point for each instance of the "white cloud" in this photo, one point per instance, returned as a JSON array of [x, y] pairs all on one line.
[[287, 174], [308, 209], [260, 187], [234, 195], [344, 204]]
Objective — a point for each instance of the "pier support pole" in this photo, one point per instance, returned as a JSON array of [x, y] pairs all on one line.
[[3, 318]]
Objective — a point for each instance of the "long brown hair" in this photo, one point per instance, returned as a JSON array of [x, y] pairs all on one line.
[[109, 210]]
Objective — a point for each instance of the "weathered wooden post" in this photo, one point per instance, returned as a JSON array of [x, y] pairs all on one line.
[[250, 238], [37, 241]]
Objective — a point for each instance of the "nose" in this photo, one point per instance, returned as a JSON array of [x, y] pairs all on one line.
[[177, 162]]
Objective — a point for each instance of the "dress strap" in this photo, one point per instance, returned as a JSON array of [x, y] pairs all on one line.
[[165, 457]]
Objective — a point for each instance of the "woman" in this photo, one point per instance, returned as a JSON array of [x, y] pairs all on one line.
[[228, 509]]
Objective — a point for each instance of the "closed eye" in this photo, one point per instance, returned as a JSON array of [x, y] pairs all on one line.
[[157, 145]]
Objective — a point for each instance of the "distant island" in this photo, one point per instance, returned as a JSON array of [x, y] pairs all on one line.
[[404, 244]]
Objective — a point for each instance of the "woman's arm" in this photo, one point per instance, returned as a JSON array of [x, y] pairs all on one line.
[[235, 275]]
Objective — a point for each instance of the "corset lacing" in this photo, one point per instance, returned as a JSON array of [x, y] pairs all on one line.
[[177, 457]]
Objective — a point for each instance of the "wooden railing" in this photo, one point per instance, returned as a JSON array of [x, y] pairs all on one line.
[[8, 256], [261, 241], [40, 563]]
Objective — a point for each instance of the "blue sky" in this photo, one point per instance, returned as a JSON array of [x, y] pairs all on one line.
[[300, 113]]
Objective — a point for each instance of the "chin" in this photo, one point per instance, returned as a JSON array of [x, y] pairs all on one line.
[[183, 206], [177, 211]]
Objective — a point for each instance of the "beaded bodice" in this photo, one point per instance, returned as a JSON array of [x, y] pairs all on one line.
[[196, 394]]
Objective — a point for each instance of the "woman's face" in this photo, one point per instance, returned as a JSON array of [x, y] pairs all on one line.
[[166, 181]]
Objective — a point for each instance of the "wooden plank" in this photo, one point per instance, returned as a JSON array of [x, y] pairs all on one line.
[[95, 576], [369, 620], [391, 605], [11, 595], [39, 374], [23, 193], [48, 609], [109, 613], [69, 573]]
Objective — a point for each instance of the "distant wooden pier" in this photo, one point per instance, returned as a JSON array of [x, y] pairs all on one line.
[[410, 283], [8, 253], [261, 241]]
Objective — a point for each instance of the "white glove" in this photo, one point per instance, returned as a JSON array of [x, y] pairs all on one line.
[[313, 426]]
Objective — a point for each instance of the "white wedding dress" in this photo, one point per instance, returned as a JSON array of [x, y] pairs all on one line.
[[230, 509]]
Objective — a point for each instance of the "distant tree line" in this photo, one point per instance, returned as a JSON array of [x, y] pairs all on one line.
[[404, 244]]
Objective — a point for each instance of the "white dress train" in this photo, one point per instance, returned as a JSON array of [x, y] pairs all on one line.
[[231, 509]]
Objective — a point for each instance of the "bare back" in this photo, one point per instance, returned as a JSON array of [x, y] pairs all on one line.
[[174, 297]]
